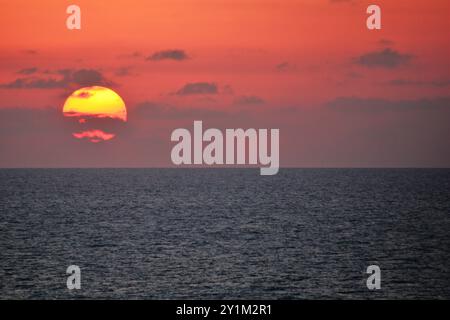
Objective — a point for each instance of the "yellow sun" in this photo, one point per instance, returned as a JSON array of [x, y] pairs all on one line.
[[97, 102]]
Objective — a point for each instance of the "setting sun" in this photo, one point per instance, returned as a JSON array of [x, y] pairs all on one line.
[[93, 107], [99, 102]]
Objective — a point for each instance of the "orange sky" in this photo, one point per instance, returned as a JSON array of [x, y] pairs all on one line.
[[234, 42], [288, 54]]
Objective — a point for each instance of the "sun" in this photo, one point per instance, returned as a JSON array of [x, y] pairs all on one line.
[[95, 101], [92, 108]]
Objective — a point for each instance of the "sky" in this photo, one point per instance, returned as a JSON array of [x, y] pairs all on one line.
[[341, 95]]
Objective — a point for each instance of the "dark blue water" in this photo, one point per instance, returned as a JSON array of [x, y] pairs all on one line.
[[224, 233]]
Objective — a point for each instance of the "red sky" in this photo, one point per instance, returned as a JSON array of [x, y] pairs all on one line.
[[342, 95]]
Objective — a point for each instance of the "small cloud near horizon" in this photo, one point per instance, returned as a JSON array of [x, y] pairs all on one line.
[[386, 58], [173, 54]]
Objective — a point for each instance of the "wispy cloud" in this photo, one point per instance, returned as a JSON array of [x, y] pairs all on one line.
[[172, 54], [386, 58], [94, 135], [198, 88], [64, 79]]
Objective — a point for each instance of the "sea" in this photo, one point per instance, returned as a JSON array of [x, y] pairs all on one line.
[[224, 233]]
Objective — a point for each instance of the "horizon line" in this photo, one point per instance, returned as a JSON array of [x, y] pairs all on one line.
[[230, 167]]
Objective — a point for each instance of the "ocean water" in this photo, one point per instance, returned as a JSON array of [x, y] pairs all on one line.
[[224, 233]]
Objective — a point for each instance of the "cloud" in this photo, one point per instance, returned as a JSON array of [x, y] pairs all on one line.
[[94, 135], [83, 95], [419, 83], [198, 88], [27, 71], [174, 54], [376, 104], [33, 83], [65, 78], [86, 77], [386, 58], [249, 100]]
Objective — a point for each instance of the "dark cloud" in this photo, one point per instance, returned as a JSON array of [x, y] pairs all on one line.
[[198, 88], [64, 79], [86, 77], [174, 54], [83, 95], [387, 58], [375, 104], [27, 71], [249, 100], [419, 83], [34, 83]]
